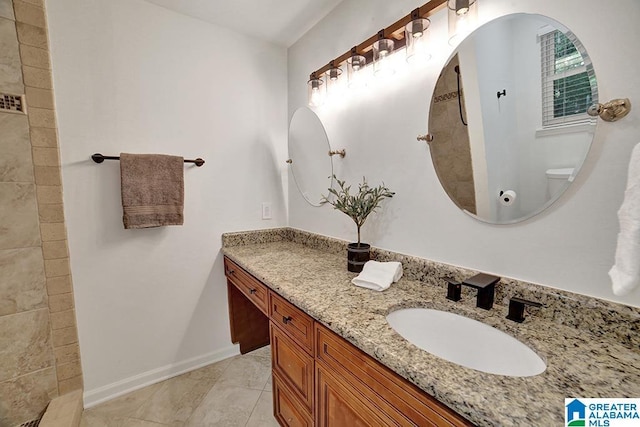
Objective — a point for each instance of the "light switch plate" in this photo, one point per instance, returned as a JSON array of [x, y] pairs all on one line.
[[266, 210]]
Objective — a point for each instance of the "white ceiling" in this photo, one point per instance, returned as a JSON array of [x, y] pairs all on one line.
[[278, 21]]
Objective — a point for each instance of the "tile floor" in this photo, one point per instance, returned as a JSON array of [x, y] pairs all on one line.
[[233, 392]]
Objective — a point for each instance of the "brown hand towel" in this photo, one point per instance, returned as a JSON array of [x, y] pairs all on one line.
[[152, 190]]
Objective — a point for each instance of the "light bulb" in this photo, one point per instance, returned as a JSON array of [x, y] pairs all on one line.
[[417, 36], [463, 24], [355, 69], [316, 91], [382, 50], [335, 84], [462, 19], [315, 96]]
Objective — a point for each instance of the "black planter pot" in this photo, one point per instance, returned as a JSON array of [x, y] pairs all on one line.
[[357, 255]]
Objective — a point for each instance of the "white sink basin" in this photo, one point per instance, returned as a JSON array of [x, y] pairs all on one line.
[[466, 342]]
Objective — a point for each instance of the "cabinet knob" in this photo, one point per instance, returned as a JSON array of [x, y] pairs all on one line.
[[286, 319], [230, 271], [253, 291]]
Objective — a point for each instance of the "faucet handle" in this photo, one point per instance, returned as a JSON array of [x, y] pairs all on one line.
[[516, 308], [454, 290]]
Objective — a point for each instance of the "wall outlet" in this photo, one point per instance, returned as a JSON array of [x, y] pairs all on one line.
[[266, 210]]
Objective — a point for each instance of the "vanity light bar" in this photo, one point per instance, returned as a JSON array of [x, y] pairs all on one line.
[[394, 31]]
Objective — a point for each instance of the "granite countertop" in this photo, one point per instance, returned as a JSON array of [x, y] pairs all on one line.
[[579, 362]]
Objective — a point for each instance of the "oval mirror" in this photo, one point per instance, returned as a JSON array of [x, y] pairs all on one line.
[[508, 117], [309, 159]]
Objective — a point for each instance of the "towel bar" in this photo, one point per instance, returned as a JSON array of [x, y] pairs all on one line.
[[99, 158]]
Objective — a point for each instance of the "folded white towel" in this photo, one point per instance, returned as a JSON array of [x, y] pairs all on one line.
[[625, 274], [378, 275]]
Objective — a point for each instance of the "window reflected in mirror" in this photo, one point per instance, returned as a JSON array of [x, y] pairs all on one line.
[[508, 117]]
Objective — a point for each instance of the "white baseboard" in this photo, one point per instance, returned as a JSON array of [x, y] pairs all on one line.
[[111, 391]]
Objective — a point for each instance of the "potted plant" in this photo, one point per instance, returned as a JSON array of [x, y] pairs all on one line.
[[357, 206]]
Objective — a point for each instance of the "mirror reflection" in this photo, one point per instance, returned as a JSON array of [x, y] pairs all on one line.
[[309, 159], [508, 117]]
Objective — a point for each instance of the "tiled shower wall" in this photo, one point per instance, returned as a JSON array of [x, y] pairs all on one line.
[[39, 354], [450, 145]]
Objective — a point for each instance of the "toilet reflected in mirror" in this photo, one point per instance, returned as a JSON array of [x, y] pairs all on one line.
[[509, 112], [557, 180]]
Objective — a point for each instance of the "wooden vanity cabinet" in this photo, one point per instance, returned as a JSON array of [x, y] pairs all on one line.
[[350, 381], [247, 310], [318, 377], [292, 363], [292, 321], [251, 287], [339, 404], [287, 409]]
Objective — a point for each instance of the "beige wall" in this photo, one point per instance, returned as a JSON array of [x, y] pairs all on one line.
[[39, 355]]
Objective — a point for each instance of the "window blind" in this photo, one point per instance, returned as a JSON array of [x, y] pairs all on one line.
[[568, 81]]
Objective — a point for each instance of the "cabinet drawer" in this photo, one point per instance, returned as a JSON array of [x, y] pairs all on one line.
[[396, 397], [293, 365], [247, 284], [286, 408], [292, 321]]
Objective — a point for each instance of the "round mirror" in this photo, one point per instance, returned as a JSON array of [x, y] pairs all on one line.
[[309, 158], [508, 117]]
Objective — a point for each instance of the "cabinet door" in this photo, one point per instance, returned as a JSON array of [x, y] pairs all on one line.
[[399, 401], [338, 405], [286, 408], [293, 364]]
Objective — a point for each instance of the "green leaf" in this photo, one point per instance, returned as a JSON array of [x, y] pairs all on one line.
[[357, 206]]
